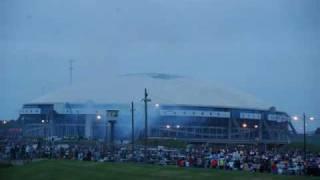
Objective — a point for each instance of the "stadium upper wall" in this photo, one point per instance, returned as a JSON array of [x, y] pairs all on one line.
[[162, 88]]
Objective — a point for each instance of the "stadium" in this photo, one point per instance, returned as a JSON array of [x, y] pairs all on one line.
[[179, 108]]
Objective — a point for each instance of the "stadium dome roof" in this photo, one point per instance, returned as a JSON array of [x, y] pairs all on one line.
[[162, 89]]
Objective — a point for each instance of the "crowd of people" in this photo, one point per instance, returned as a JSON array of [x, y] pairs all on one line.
[[197, 156], [290, 163]]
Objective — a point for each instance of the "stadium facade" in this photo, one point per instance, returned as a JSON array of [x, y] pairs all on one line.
[[180, 108]]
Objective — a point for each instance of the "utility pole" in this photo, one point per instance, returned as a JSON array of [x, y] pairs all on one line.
[[132, 126], [304, 138], [146, 100], [71, 70]]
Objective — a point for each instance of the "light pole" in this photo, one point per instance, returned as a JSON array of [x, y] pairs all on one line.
[[132, 126], [296, 118], [304, 138], [146, 100]]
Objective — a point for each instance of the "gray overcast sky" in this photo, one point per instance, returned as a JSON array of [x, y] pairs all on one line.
[[268, 48]]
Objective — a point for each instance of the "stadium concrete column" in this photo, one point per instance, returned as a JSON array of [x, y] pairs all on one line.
[[88, 126], [51, 123], [23, 126], [230, 126], [112, 122], [267, 129], [287, 130], [106, 131], [260, 129]]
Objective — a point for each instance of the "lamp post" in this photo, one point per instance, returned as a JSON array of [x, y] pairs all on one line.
[[146, 100], [296, 118], [132, 126], [304, 138]]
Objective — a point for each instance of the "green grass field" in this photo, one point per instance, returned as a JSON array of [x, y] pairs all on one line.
[[69, 170]]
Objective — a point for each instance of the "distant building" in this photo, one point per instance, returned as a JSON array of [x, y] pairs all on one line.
[[181, 108]]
